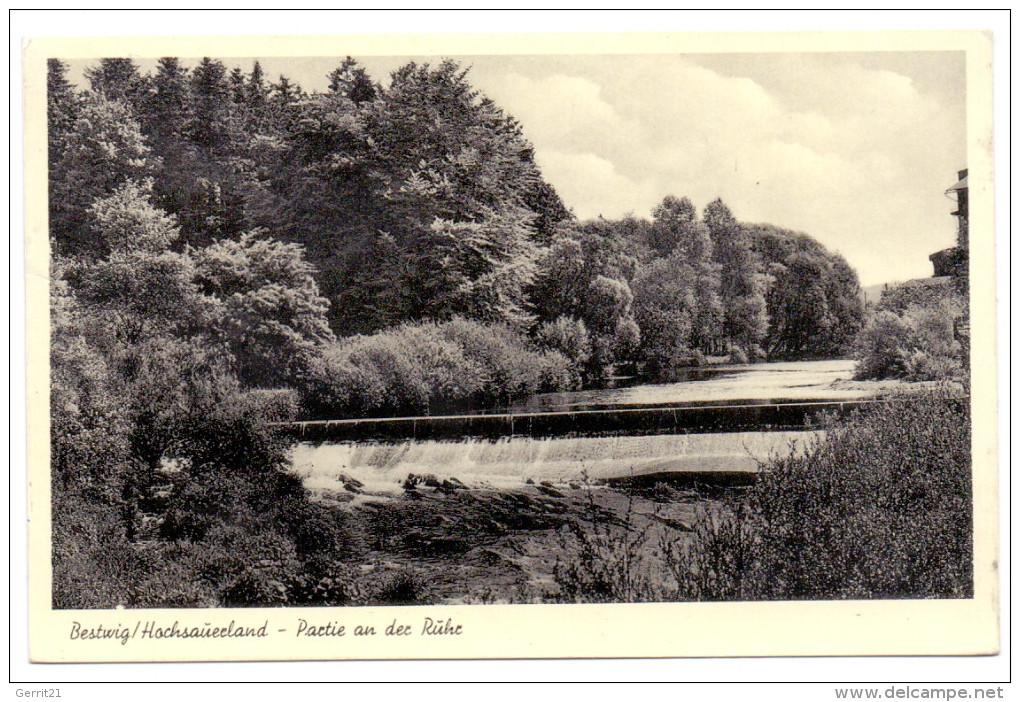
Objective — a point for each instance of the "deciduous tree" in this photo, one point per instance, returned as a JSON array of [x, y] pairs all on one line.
[[270, 313], [103, 149], [742, 286]]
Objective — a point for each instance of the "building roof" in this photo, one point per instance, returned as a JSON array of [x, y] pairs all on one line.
[[962, 185]]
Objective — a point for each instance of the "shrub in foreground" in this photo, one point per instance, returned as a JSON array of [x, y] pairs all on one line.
[[606, 562], [881, 508], [878, 509], [206, 512]]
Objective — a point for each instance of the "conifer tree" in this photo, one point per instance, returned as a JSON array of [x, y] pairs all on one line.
[[282, 100], [253, 103], [210, 125], [237, 85], [61, 108], [117, 79], [166, 109], [352, 82], [206, 187], [256, 85]]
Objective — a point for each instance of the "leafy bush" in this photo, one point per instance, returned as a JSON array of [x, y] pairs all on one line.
[[427, 368], [880, 508], [321, 535], [737, 355], [88, 425], [408, 369], [492, 351], [911, 335], [96, 567], [197, 508], [439, 370], [248, 567], [511, 368], [340, 383], [885, 343], [567, 335], [899, 298], [712, 566], [917, 344], [556, 373]]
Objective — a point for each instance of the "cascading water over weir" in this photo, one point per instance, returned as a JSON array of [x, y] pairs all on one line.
[[713, 443]]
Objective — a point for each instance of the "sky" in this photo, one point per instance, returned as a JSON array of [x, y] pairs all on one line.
[[855, 149]]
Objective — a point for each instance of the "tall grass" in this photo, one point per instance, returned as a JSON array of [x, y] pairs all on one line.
[[607, 561]]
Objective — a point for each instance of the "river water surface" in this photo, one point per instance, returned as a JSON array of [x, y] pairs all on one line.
[[764, 382]]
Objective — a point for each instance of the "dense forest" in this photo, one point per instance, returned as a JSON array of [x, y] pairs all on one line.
[[229, 249]]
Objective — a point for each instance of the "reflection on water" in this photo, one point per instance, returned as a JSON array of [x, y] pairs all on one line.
[[746, 384], [623, 390]]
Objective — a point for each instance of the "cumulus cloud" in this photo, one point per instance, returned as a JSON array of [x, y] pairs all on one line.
[[854, 150], [591, 184], [562, 109]]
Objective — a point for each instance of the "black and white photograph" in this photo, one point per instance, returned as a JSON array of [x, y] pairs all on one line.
[[430, 333]]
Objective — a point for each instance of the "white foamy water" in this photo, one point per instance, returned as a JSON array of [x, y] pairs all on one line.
[[511, 461]]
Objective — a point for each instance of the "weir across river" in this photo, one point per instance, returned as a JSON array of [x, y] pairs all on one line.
[[709, 418], [718, 444]]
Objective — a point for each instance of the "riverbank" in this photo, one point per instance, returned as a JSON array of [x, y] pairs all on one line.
[[442, 543]]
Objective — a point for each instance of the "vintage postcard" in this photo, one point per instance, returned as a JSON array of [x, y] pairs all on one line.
[[511, 346]]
